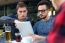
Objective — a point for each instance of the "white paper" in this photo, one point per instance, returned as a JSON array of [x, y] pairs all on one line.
[[25, 28]]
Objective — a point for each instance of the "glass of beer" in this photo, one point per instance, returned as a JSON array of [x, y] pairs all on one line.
[[1, 32], [8, 33]]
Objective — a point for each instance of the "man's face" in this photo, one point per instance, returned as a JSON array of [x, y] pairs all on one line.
[[22, 13], [55, 4], [43, 11]]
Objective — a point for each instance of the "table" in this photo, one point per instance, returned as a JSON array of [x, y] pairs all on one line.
[[25, 40]]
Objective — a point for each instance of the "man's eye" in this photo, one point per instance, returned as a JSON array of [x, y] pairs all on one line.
[[24, 11], [20, 11]]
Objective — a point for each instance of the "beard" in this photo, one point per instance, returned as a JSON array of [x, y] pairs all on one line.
[[42, 17]]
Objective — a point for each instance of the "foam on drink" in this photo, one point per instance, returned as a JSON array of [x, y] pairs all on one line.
[[8, 35]]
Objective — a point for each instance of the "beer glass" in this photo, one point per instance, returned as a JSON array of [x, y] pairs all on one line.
[[1, 32], [8, 33]]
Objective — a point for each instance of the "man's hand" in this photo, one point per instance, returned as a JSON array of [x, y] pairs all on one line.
[[38, 38]]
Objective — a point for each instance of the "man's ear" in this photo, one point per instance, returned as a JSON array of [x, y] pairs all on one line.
[[27, 10], [16, 14], [49, 13]]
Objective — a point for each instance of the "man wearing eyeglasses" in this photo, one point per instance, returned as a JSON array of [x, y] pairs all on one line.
[[57, 35], [42, 27]]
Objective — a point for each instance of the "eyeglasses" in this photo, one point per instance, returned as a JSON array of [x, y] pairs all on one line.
[[42, 11]]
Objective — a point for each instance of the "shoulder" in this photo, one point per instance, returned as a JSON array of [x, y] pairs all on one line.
[[52, 18], [37, 23]]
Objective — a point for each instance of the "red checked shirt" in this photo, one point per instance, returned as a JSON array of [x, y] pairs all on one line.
[[57, 35]]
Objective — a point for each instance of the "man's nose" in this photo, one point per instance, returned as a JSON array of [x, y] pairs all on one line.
[[22, 13]]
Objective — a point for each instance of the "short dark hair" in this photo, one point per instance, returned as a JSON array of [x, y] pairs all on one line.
[[20, 4], [44, 3]]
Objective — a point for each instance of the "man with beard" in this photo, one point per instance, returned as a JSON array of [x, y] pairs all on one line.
[[42, 27]]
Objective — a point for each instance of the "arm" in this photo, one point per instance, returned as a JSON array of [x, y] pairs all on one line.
[[37, 37]]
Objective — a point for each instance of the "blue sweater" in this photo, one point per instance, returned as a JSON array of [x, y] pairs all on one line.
[[43, 27]]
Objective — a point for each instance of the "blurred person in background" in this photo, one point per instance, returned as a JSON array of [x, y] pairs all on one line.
[[57, 35], [43, 27]]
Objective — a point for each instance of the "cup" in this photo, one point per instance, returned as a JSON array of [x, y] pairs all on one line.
[[8, 33], [18, 37], [1, 32]]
